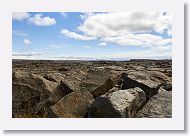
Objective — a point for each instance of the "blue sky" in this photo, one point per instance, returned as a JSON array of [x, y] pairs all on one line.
[[75, 35]]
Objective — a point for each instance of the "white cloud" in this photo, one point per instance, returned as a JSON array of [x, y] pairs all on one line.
[[76, 36], [20, 16], [122, 23], [86, 46], [84, 15], [39, 20], [26, 42], [64, 14], [55, 46], [102, 44], [19, 33], [138, 40]]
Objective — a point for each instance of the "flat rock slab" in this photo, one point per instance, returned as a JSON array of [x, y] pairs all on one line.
[[118, 104], [159, 106], [73, 105]]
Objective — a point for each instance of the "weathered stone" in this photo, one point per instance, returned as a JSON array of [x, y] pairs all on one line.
[[28, 90], [24, 99], [73, 105], [35, 81], [54, 77], [59, 92], [97, 81], [159, 106], [103, 88], [149, 87], [119, 104]]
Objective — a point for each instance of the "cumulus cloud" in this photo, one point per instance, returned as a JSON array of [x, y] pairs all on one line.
[[20, 15], [138, 40], [122, 23], [76, 36], [26, 42], [39, 20]]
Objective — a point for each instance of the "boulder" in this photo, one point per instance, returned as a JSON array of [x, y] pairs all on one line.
[[159, 106], [73, 105], [104, 88], [35, 81], [118, 104], [27, 91], [142, 81], [59, 92], [97, 81]]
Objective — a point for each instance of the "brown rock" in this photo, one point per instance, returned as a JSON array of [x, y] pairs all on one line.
[[73, 105]]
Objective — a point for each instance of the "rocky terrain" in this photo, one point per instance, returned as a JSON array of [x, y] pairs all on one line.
[[92, 89]]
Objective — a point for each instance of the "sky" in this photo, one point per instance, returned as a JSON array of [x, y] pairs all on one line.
[[91, 36]]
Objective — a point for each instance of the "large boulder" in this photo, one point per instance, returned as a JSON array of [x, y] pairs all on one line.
[[73, 105], [104, 88], [97, 81], [119, 104], [58, 93], [140, 80], [159, 106]]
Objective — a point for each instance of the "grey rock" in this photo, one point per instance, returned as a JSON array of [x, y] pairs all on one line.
[[159, 106], [149, 87], [118, 104]]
